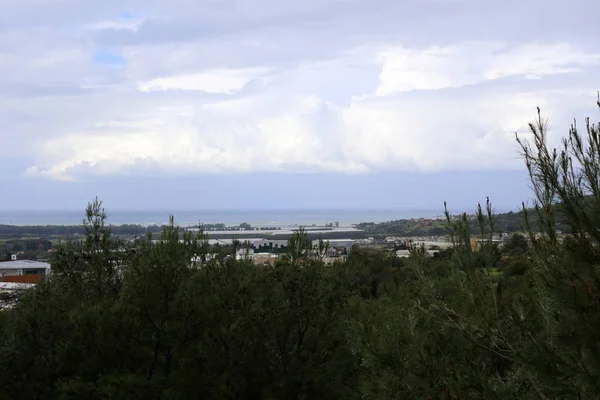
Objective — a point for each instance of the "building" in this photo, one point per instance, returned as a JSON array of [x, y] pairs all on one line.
[[12, 286], [406, 253], [24, 267], [243, 254], [269, 245], [337, 243], [430, 244], [229, 241], [9, 293]]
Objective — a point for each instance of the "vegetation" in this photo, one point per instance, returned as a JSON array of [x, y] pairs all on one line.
[[405, 227], [70, 230], [29, 248], [510, 222], [163, 320]]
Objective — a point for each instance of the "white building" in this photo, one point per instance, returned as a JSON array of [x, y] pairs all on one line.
[[24, 267], [242, 254]]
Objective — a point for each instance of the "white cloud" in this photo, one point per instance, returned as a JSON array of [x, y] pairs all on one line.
[[415, 69], [128, 24], [405, 69], [307, 134], [218, 81], [541, 59], [247, 87], [41, 58]]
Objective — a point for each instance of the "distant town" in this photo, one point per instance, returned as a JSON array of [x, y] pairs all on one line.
[[39, 242], [26, 251]]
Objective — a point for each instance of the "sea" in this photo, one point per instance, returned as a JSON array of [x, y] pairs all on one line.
[[227, 217]]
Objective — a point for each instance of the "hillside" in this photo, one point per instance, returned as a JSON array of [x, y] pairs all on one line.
[[509, 222]]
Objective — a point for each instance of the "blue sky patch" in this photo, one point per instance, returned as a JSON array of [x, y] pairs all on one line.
[[128, 16], [109, 57]]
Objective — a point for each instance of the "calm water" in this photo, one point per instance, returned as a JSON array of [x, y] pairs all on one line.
[[231, 217]]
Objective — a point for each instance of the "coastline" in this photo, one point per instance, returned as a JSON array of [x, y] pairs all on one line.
[[258, 218]]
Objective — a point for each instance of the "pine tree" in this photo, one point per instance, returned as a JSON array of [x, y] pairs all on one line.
[[566, 353]]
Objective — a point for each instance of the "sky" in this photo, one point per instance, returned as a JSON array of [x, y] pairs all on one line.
[[234, 104]]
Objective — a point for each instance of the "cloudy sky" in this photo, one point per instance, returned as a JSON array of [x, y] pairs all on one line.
[[216, 104]]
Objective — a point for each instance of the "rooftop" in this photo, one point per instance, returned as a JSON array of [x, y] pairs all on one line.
[[15, 285], [21, 264], [285, 231]]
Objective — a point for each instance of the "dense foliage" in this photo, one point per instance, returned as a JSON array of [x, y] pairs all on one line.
[[164, 320]]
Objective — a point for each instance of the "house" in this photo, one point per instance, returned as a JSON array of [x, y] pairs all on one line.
[[24, 267]]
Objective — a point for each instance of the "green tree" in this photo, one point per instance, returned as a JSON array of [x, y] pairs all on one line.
[[517, 244], [565, 354]]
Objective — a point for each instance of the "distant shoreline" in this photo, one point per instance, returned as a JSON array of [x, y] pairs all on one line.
[[231, 218], [387, 225]]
